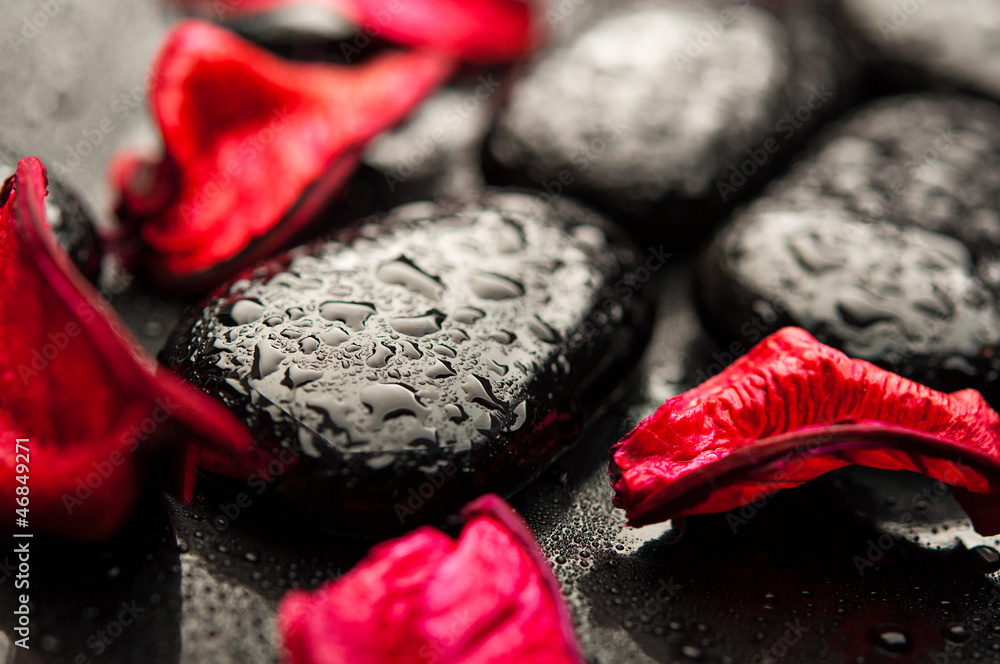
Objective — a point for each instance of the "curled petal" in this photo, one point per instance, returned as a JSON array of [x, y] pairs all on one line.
[[481, 31], [487, 598], [76, 385], [790, 410], [255, 145]]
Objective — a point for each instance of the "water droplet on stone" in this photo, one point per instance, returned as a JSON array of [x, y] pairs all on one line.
[[439, 369], [392, 400], [468, 315], [404, 273], [352, 314], [891, 638], [418, 326], [297, 376], [380, 356], [266, 359], [480, 391], [491, 286], [241, 312], [542, 330], [334, 336]]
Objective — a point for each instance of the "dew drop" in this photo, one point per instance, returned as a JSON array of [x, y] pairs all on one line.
[[352, 314], [334, 336], [957, 633], [380, 356], [542, 330], [468, 315], [418, 326], [241, 312], [480, 391], [491, 286], [266, 359], [403, 272], [392, 400], [891, 638], [297, 376]]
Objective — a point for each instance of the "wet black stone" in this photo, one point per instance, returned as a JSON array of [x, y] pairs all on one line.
[[883, 242], [70, 221], [932, 43], [397, 394], [667, 114]]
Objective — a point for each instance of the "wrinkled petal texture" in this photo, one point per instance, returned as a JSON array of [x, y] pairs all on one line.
[[790, 410], [487, 598], [481, 31], [254, 145], [79, 387]]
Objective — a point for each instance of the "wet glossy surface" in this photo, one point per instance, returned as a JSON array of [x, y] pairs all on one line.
[[884, 244], [440, 354]]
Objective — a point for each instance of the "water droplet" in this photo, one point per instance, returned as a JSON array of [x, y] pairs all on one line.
[[418, 326], [480, 391], [251, 557], [815, 255], [957, 633], [468, 315], [403, 272], [692, 652], [380, 356], [491, 286], [502, 337], [241, 312], [297, 376], [352, 314], [891, 638], [439, 369], [392, 400], [309, 345], [334, 336], [410, 350], [769, 599], [266, 359], [542, 330], [521, 415], [861, 312], [458, 336], [444, 350], [295, 313], [455, 413]]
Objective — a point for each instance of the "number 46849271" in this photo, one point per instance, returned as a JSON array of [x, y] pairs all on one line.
[[22, 459]]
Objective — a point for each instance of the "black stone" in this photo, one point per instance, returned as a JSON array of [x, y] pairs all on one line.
[[422, 359], [667, 114], [883, 243], [929, 43]]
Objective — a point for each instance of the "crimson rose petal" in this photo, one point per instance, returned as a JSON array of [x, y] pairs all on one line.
[[254, 146], [487, 598], [481, 31], [75, 384], [790, 410]]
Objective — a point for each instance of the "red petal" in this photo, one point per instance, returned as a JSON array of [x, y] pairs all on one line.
[[482, 31], [792, 409], [487, 598], [254, 146], [79, 387]]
